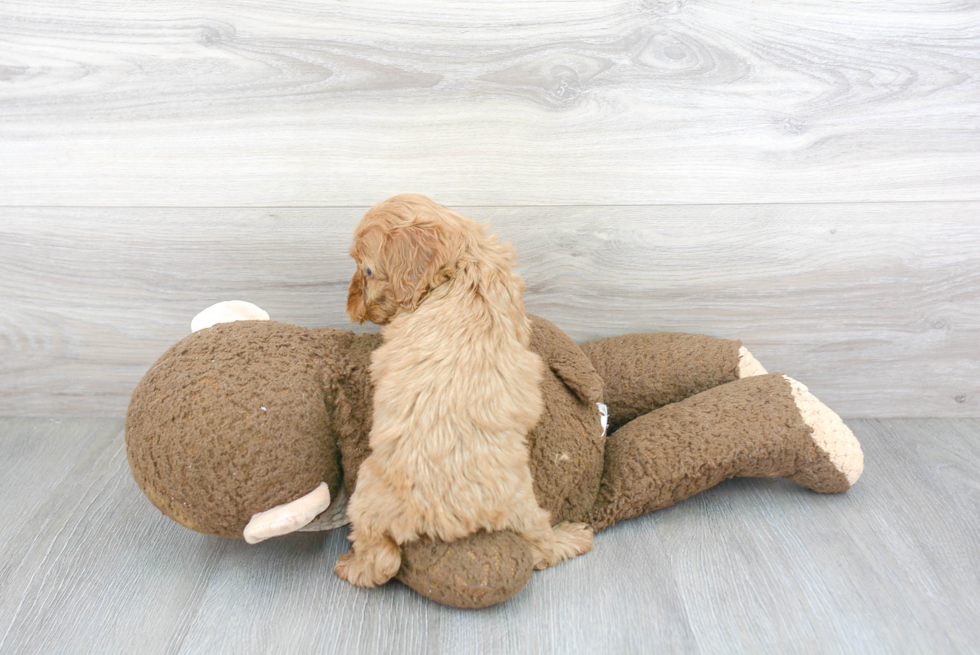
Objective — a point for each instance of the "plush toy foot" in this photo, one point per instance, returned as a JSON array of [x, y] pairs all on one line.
[[479, 570], [288, 517], [568, 540], [748, 365], [226, 312], [839, 460], [370, 566]]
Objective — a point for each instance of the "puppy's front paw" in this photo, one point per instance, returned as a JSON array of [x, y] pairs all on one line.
[[366, 571]]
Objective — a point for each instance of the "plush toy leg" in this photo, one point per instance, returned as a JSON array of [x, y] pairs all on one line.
[[642, 372], [765, 426]]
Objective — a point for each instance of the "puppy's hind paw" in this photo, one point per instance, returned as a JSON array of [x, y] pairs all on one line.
[[364, 571], [568, 540]]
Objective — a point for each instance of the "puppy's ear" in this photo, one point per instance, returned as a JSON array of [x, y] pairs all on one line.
[[416, 259], [356, 310]]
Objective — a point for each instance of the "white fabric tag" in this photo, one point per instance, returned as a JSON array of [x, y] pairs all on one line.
[[604, 418]]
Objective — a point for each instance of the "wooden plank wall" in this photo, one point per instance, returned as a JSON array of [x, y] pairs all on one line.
[[802, 175]]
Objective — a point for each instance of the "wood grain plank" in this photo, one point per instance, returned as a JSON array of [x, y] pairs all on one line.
[[283, 596], [291, 582], [941, 461], [341, 104], [749, 566], [90, 565], [881, 569], [874, 306], [25, 484]]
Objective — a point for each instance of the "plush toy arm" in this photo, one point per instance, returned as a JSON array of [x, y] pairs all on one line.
[[763, 426], [642, 372], [566, 360]]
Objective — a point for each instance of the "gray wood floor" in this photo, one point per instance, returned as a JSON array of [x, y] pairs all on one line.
[[88, 565]]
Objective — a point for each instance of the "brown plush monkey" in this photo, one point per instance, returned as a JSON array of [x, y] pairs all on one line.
[[255, 428]]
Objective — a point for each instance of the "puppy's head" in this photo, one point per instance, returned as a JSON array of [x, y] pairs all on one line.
[[404, 247]]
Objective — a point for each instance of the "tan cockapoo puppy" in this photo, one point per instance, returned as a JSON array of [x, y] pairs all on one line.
[[456, 391]]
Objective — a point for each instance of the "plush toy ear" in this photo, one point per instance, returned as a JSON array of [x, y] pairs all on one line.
[[226, 312], [417, 258]]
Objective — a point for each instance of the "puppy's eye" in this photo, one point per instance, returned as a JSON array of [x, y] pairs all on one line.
[[367, 272]]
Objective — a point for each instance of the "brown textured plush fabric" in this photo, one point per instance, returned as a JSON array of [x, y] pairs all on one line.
[[481, 570], [645, 371], [567, 443], [354, 402], [821, 475], [205, 452], [749, 427], [233, 420], [244, 416], [566, 360]]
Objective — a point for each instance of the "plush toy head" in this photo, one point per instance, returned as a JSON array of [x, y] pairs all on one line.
[[239, 418]]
